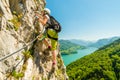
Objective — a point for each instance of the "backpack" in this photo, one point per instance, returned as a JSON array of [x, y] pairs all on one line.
[[53, 24]]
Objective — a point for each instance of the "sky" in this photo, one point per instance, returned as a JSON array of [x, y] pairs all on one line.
[[86, 19]]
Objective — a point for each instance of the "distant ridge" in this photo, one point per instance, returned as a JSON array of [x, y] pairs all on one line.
[[81, 42], [99, 43], [102, 42]]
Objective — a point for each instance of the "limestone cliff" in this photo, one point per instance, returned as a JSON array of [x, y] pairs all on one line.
[[17, 30]]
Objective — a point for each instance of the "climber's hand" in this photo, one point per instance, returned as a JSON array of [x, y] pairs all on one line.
[[39, 36]]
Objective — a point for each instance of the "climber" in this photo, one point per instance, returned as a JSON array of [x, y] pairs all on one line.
[[50, 34]]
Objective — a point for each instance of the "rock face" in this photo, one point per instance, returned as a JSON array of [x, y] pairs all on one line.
[[17, 31]]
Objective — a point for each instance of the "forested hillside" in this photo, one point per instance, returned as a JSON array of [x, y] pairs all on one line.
[[104, 64], [68, 47]]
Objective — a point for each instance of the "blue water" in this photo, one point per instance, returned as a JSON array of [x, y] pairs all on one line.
[[72, 57]]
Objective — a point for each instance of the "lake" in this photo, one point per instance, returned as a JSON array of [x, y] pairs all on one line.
[[72, 57]]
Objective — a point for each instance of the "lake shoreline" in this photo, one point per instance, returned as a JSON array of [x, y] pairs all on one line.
[[80, 53]]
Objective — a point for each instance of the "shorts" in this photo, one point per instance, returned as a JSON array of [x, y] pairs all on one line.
[[53, 34]]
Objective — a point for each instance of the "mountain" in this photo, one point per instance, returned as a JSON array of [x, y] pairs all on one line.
[[67, 47], [103, 64], [22, 55], [102, 42], [81, 42], [99, 43]]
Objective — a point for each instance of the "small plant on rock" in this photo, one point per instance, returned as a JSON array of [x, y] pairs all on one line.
[[17, 75], [16, 20]]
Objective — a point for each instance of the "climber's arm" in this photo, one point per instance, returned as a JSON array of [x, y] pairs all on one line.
[[44, 20]]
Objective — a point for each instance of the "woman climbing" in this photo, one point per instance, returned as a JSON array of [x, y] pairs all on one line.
[[44, 19]]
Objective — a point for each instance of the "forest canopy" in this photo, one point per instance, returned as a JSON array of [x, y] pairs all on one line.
[[103, 64], [68, 47]]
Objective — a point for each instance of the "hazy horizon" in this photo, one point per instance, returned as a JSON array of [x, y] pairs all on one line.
[[87, 19], [88, 39]]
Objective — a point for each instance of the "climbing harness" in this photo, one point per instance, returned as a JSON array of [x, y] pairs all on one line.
[[52, 37]]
